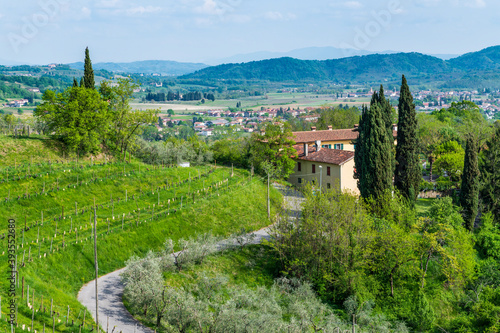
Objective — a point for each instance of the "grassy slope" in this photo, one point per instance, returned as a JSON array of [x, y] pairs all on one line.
[[60, 275]]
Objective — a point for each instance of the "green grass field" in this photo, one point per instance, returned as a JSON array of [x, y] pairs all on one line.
[[138, 208], [271, 100]]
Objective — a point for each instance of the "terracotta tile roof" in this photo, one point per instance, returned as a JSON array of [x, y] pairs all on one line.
[[328, 135], [325, 155], [334, 135]]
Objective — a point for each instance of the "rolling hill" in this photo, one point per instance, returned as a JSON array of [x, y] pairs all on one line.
[[162, 67], [487, 59], [365, 68], [362, 69]]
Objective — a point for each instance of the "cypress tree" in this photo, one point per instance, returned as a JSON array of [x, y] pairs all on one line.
[[82, 82], [469, 194], [408, 175], [373, 157], [88, 72], [490, 175], [359, 153], [386, 111], [75, 83]]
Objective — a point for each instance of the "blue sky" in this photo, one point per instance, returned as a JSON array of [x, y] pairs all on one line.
[[46, 31]]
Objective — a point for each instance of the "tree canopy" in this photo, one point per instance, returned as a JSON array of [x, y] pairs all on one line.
[[275, 146]]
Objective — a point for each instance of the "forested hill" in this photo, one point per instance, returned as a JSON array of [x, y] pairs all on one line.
[[358, 69], [371, 67], [487, 59], [146, 67]]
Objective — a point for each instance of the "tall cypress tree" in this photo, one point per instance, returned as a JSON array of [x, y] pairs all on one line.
[[386, 111], [490, 176], [469, 194], [88, 72], [359, 153], [373, 157], [407, 177]]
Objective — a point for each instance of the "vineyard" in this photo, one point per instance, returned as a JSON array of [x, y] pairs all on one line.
[[51, 197]]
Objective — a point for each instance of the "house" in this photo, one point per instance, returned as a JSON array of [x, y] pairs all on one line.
[[218, 122], [207, 132], [342, 139], [333, 167], [18, 104]]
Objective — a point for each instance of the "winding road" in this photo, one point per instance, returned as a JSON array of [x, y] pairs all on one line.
[[113, 316]]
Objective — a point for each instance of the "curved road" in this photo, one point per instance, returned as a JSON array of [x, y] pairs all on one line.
[[112, 312]]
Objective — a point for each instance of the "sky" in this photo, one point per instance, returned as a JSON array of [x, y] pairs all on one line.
[[57, 31]]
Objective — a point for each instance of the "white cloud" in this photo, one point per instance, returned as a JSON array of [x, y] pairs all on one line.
[[277, 16], [347, 4], [239, 18], [210, 7], [352, 4], [143, 10], [85, 13], [476, 3], [203, 21], [108, 4]]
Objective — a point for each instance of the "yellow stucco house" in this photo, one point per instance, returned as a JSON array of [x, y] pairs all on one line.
[[327, 155], [333, 167]]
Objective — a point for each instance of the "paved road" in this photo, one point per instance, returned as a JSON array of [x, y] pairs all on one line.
[[112, 312]]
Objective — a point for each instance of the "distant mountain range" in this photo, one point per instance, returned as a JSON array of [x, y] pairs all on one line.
[[162, 67], [308, 53], [477, 66]]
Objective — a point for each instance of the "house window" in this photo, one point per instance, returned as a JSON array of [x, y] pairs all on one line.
[[299, 166], [328, 171], [328, 186], [339, 146], [314, 168], [300, 180]]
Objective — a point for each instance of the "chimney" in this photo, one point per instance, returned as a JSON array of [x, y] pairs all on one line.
[[306, 149], [318, 145], [330, 127], [313, 128]]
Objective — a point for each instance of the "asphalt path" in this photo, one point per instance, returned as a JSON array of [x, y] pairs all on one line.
[[113, 316]]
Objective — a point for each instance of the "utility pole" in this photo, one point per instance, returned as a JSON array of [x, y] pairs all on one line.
[[268, 200], [96, 269], [320, 177]]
